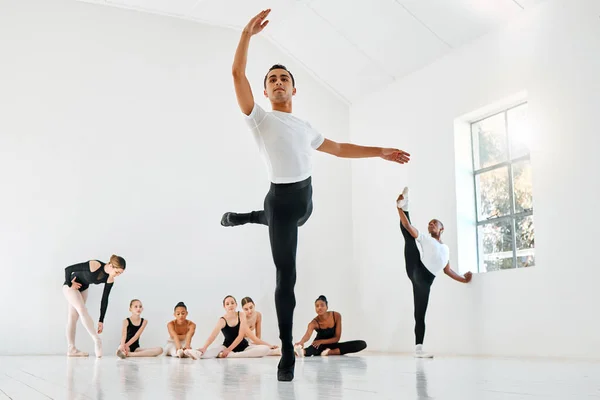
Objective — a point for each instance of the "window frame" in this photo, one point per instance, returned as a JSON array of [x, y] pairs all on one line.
[[509, 163]]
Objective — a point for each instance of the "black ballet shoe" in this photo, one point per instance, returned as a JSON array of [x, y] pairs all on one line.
[[285, 374], [225, 220]]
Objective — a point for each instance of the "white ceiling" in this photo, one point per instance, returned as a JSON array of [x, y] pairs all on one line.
[[374, 41]]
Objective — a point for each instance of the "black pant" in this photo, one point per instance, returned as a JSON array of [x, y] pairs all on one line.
[[287, 206], [421, 280], [353, 346]]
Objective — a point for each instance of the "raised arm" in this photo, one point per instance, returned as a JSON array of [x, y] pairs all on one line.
[[450, 272], [174, 335], [138, 334], [243, 91], [349, 150], [188, 336], [309, 331], [213, 335]]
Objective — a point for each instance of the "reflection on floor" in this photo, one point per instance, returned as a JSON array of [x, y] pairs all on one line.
[[350, 377]]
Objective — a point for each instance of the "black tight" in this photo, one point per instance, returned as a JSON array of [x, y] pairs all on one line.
[[421, 280], [353, 346], [287, 206]]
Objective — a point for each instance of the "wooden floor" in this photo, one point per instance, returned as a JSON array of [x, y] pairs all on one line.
[[349, 377]]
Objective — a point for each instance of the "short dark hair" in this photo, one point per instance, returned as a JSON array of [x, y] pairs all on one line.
[[229, 296], [279, 66]]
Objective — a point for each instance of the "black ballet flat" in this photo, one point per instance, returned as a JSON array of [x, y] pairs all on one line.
[[285, 374]]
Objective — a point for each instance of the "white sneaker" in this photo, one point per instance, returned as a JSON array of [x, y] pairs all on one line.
[[403, 203], [419, 353]]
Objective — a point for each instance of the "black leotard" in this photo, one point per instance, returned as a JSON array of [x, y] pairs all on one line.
[[86, 278], [231, 333], [325, 333], [131, 331]]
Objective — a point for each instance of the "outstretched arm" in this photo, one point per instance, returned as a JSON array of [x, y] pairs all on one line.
[[213, 335], [188, 336], [256, 340], [308, 334], [243, 91], [349, 150], [258, 325], [464, 279]]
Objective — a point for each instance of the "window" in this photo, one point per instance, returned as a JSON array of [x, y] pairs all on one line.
[[503, 190]]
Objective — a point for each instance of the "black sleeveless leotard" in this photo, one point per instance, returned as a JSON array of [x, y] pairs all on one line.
[[231, 333]]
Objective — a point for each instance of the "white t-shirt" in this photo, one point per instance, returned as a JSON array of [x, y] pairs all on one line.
[[434, 255], [286, 143]]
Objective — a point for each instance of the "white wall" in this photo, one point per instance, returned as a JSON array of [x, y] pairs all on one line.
[[551, 53], [120, 133]]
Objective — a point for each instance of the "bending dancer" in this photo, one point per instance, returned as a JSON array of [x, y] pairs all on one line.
[[422, 267], [286, 142], [78, 279], [328, 325], [234, 328], [181, 332], [133, 327], [254, 320]]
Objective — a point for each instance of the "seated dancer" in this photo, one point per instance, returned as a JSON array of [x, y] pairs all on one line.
[[78, 279], [133, 327], [234, 328], [254, 319], [328, 325], [181, 332], [423, 266]]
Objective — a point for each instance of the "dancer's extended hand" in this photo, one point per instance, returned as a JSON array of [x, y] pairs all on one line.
[[468, 276], [75, 285], [225, 353], [317, 343], [395, 155], [100, 327], [256, 24]]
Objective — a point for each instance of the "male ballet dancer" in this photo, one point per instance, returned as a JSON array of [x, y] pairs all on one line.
[[422, 267], [286, 142]]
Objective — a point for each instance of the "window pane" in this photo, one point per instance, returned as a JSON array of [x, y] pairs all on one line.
[[525, 242], [493, 198], [519, 133], [489, 141], [496, 245], [522, 186]]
